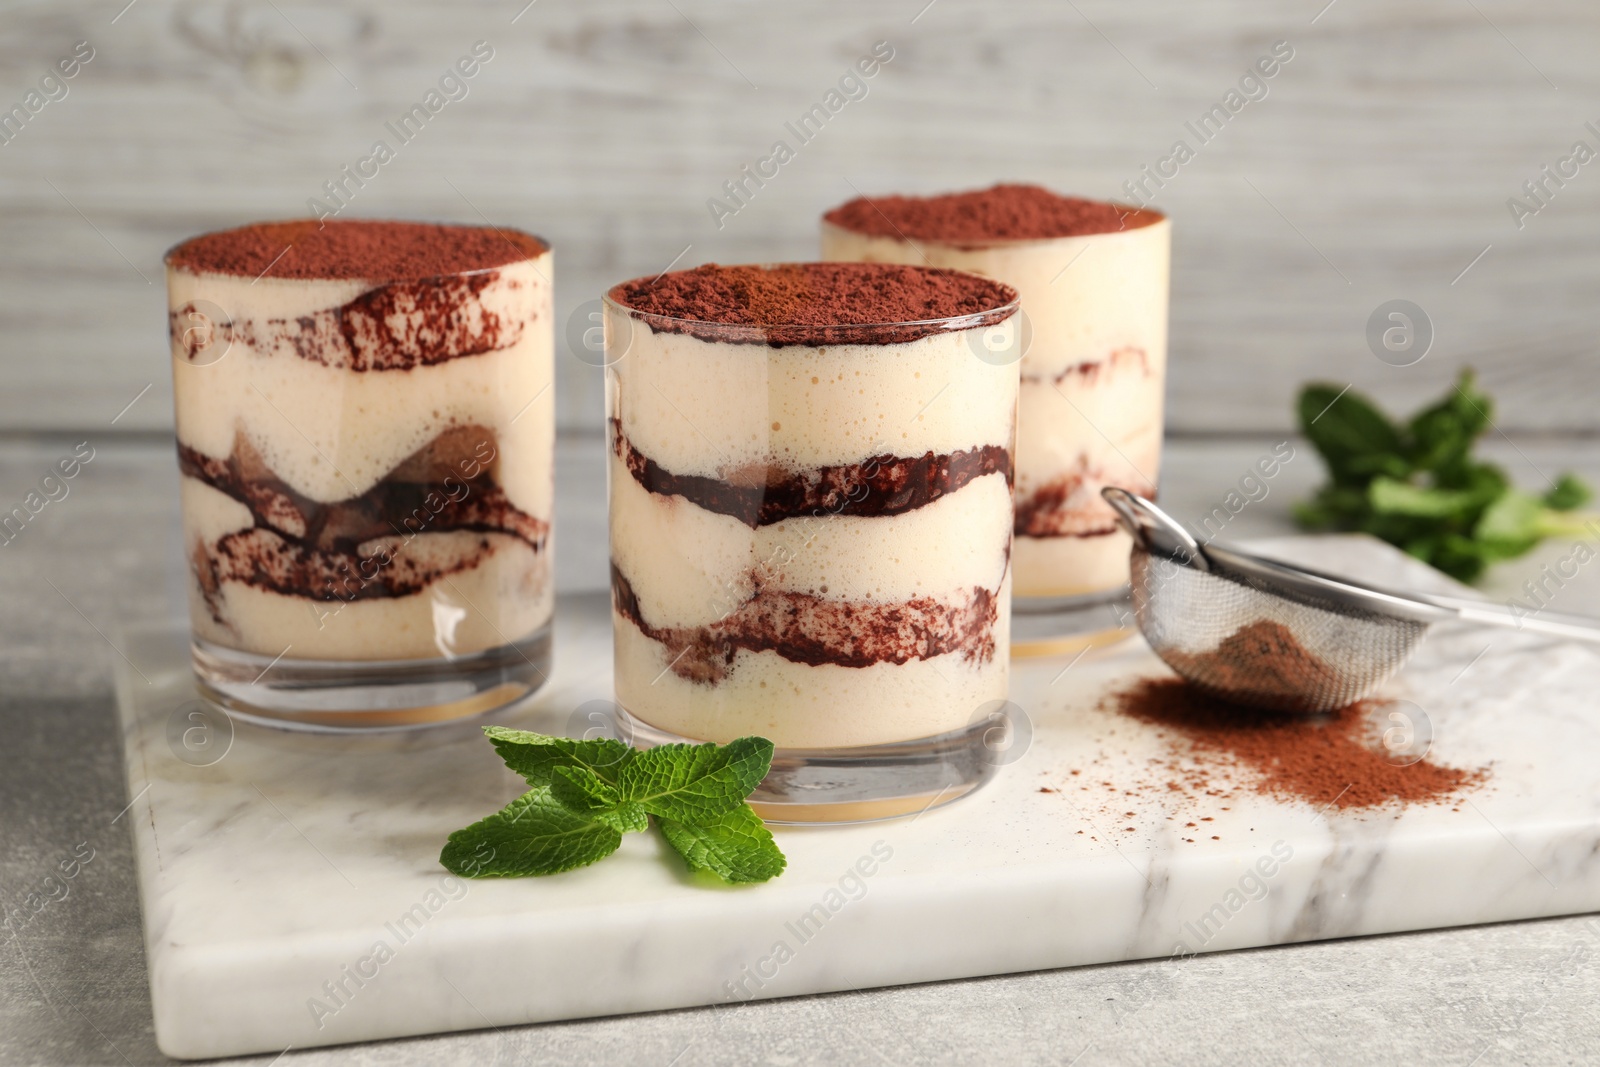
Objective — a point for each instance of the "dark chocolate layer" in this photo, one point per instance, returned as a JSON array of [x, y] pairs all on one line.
[[808, 629], [879, 486], [267, 560], [1090, 371], [392, 327], [1071, 506], [325, 551]]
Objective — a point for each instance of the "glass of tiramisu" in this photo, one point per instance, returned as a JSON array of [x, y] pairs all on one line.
[[810, 483], [365, 431], [1092, 277]]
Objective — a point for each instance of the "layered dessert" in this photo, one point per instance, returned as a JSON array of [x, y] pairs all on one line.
[[810, 480], [365, 428], [1092, 277]]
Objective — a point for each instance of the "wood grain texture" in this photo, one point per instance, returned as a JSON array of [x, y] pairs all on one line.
[[1378, 166]]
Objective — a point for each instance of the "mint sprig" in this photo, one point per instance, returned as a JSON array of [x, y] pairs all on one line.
[[1417, 484], [584, 795]]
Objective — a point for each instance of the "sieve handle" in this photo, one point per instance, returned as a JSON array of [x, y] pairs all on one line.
[[1154, 529], [1578, 627]]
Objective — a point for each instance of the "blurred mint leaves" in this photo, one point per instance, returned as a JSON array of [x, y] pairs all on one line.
[[1416, 484], [584, 795]]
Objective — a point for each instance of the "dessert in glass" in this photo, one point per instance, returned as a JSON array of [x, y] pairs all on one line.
[[365, 431], [810, 488], [1092, 277]]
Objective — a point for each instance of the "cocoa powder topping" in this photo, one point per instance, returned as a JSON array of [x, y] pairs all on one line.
[[815, 303], [364, 249], [984, 216]]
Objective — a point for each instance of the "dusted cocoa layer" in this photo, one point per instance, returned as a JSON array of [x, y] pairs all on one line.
[[391, 327], [1071, 506], [985, 216], [367, 249], [814, 303], [761, 496], [1090, 371], [814, 630], [267, 560], [343, 551]]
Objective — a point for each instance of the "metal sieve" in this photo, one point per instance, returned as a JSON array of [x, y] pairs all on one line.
[[1274, 635]]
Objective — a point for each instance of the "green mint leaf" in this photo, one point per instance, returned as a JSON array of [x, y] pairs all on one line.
[[1569, 492], [1419, 487], [625, 818], [1484, 479], [1391, 497], [1443, 435], [1460, 557], [737, 846], [695, 783], [534, 756], [1355, 439], [579, 789], [1333, 507], [1513, 516], [534, 834]]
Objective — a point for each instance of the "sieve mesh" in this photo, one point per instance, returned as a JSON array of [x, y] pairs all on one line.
[[1237, 639]]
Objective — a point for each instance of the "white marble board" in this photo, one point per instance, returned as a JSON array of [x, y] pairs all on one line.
[[282, 866]]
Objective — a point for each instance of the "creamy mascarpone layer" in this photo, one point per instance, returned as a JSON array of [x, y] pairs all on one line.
[[689, 566], [1091, 301], [1084, 431], [715, 409], [1099, 559], [799, 705], [504, 593]]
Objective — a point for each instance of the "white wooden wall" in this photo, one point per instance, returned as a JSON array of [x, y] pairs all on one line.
[[1378, 166]]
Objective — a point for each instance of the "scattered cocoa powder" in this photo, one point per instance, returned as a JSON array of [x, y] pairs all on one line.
[[1334, 760], [985, 216], [815, 303], [366, 249]]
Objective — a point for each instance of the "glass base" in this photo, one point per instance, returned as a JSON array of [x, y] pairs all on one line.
[[1052, 626], [810, 786], [313, 694]]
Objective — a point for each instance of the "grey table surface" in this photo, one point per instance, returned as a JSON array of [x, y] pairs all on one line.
[[73, 988]]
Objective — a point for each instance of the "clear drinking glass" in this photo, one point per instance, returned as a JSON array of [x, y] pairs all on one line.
[[811, 542], [365, 443], [1090, 410]]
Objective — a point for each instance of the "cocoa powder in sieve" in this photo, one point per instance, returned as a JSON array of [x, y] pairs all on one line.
[[1264, 658]]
